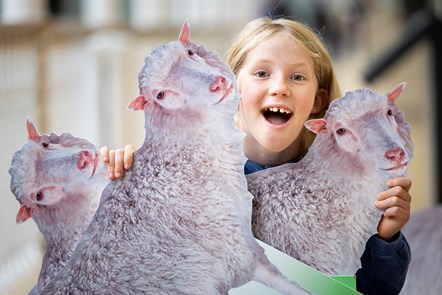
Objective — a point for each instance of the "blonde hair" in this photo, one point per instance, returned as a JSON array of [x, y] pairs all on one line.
[[258, 30]]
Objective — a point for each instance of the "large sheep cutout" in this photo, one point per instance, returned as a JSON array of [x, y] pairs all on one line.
[[180, 220]]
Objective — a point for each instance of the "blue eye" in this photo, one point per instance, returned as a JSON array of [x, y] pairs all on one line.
[[261, 74], [298, 77]]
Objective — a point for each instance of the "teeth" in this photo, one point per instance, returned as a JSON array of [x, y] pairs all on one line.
[[275, 110]]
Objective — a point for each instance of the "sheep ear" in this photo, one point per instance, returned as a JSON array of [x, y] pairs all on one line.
[[137, 104], [316, 125], [394, 93], [32, 131], [185, 32], [23, 214]]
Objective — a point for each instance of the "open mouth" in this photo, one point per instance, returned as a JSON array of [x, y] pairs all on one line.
[[277, 116]]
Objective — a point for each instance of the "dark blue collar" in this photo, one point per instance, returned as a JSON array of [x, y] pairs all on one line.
[[251, 166]]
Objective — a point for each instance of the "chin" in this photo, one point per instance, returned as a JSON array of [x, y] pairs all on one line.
[[276, 148]]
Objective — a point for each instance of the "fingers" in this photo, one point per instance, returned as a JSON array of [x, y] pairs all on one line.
[[111, 165], [398, 213], [129, 152], [119, 165], [398, 187], [117, 160], [104, 151], [392, 205], [403, 182], [396, 203], [396, 196]]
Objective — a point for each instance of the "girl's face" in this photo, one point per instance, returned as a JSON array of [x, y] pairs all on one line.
[[278, 87]]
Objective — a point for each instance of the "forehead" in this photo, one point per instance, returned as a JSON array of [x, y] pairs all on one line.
[[157, 65], [281, 48]]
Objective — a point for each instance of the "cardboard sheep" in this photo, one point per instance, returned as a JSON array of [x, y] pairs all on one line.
[[58, 181], [180, 220], [321, 210]]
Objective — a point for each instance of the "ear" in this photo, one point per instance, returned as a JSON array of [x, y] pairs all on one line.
[[23, 214], [185, 32], [394, 93], [321, 99], [316, 125], [137, 104], [32, 131]]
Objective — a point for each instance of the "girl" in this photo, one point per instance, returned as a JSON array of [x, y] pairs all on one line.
[[285, 76]]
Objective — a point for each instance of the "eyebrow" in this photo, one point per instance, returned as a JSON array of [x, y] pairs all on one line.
[[300, 63]]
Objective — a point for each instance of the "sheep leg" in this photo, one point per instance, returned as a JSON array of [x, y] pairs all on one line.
[[268, 274]]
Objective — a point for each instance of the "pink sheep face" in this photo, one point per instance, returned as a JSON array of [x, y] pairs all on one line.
[[177, 75], [48, 167], [369, 128]]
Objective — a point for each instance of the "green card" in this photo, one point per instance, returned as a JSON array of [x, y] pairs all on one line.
[[306, 276]]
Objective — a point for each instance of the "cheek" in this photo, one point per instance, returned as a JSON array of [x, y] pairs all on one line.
[[307, 100], [251, 99], [242, 117]]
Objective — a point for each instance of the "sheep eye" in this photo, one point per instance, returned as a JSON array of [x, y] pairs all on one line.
[[45, 144], [39, 196], [190, 52], [160, 95], [340, 131], [390, 112]]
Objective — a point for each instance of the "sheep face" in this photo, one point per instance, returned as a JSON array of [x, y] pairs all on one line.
[[50, 168], [368, 130], [174, 79]]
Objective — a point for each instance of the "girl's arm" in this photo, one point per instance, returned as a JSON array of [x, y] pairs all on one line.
[[387, 254], [117, 160]]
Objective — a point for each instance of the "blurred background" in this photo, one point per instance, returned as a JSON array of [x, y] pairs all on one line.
[[72, 65]]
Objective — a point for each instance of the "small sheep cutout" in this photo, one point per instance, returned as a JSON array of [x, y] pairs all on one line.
[[58, 180], [321, 210]]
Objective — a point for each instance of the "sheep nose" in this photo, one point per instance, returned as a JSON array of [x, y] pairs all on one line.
[[396, 155], [84, 159], [219, 85]]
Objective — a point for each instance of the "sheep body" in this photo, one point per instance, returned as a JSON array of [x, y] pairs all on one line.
[[58, 181], [320, 210], [180, 220]]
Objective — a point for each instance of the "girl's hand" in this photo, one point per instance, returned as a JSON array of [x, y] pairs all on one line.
[[117, 160], [396, 201]]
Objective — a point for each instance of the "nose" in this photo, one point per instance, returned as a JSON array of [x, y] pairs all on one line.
[[218, 85], [396, 155], [279, 87], [85, 158]]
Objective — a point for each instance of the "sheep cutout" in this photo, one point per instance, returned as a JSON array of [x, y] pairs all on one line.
[[180, 220], [321, 210], [58, 181], [424, 235]]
